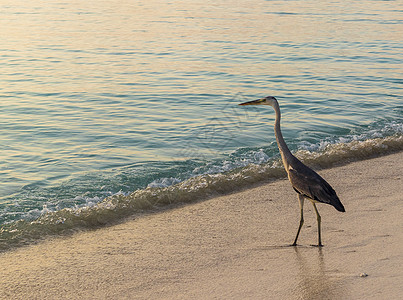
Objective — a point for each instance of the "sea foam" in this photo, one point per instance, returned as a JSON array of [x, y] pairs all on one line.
[[169, 191]]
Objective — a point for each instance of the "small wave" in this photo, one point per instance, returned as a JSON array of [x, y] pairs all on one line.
[[163, 182], [330, 154], [167, 191]]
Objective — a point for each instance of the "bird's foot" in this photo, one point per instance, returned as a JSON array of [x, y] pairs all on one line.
[[319, 245]]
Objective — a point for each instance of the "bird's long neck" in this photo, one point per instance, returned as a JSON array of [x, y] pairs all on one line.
[[282, 146]]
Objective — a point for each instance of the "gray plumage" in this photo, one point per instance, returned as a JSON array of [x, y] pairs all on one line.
[[305, 181], [310, 184]]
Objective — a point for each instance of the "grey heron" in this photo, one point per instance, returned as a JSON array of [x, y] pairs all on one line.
[[306, 182]]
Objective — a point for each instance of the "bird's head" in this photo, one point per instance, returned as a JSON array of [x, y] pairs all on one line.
[[269, 100]]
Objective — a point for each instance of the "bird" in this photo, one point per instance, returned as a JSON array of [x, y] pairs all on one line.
[[306, 182]]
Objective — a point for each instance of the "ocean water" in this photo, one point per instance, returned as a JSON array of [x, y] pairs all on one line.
[[108, 108]]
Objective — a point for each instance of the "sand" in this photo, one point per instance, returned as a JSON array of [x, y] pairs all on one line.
[[233, 247]]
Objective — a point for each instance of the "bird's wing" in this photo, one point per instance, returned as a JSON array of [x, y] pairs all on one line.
[[310, 184]]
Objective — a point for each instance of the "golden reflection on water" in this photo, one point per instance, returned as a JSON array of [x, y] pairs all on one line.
[[177, 30]]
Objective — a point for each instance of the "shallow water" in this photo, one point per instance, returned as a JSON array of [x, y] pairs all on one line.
[[103, 99]]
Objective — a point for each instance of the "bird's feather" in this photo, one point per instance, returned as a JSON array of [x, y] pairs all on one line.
[[307, 182]]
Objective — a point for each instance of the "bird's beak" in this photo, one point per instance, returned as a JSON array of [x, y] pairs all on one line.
[[253, 102]]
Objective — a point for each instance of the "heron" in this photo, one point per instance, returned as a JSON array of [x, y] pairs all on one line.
[[306, 182]]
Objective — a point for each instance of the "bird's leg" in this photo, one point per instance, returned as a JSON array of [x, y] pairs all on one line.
[[301, 221], [318, 218]]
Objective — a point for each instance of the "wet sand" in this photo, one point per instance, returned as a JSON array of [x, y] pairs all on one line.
[[233, 247]]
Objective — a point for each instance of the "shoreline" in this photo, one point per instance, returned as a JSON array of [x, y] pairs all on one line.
[[233, 246]]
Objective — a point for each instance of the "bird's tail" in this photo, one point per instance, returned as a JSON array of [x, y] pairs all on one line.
[[338, 205]]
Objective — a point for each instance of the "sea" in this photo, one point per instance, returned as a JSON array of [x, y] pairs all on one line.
[[109, 109]]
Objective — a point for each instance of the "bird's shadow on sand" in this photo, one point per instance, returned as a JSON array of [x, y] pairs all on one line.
[[313, 279]]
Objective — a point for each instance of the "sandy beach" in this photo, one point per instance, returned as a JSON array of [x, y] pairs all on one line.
[[233, 247]]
